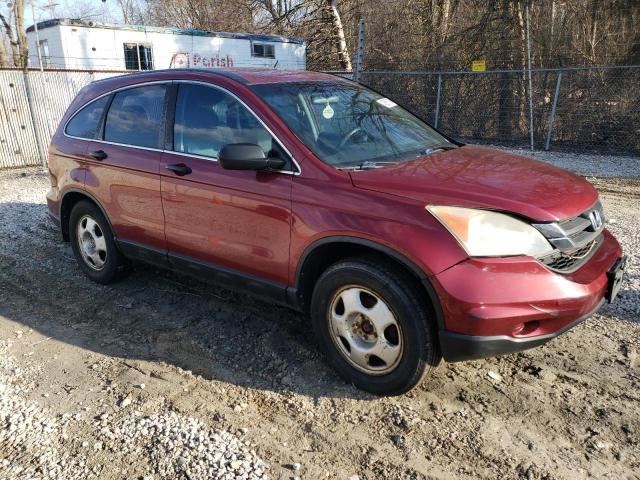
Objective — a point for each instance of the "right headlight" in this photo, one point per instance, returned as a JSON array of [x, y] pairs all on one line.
[[484, 233]]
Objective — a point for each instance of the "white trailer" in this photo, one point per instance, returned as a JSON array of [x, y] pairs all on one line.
[[84, 45]]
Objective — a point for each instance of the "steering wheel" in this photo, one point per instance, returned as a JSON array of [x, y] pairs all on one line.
[[349, 136]]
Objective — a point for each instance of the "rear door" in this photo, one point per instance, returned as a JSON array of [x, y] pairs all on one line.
[[238, 222], [123, 173]]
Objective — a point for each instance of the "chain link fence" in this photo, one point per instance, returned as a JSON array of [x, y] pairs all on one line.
[[594, 109], [574, 109]]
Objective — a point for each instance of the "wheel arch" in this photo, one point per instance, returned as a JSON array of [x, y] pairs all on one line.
[[322, 253], [70, 198]]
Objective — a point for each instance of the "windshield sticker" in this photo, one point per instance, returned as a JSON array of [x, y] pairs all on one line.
[[327, 112], [385, 102]]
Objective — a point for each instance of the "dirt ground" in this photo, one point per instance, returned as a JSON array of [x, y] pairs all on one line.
[[85, 356]]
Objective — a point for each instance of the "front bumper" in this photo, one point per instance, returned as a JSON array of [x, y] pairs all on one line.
[[504, 305], [459, 347]]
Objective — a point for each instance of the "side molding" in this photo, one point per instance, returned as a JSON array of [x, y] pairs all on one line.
[[206, 271]]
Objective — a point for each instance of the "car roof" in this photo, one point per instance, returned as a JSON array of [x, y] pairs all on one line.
[[246, 76], [255, 76]]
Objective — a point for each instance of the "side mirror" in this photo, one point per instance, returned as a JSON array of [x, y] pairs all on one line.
[[247, 156]]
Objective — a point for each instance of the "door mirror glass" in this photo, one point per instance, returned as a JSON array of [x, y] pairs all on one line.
[[247, 156]]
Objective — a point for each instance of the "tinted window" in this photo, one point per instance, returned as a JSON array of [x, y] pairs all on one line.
[[207, 119], [85, 123], [135, 116]]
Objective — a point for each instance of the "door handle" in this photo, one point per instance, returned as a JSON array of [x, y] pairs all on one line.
[[179, 169], [99, 154]]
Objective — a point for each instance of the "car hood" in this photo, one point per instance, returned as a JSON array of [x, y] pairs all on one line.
[[479, 177]]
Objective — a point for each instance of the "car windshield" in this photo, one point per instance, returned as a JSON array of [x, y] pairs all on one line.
[[349, 126]]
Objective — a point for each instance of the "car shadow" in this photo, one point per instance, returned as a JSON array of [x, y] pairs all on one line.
[[160, 316], [157, 315]]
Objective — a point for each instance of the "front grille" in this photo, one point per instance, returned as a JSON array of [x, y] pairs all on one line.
[[567, 262], [576, 239], [574, 232]]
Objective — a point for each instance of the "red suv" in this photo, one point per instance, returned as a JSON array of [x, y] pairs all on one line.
[[402, 245]]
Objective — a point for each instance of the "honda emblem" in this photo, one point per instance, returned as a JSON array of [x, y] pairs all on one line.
[[596, 219]]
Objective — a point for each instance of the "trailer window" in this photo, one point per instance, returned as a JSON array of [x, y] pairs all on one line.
[[138, 56], [44, 52], [262, 50]]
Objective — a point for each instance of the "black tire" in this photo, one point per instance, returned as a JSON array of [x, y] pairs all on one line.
[[115, 264], [420, 353]]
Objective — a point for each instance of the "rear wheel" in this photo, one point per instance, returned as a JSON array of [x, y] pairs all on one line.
[[372, 322], [93, 244]]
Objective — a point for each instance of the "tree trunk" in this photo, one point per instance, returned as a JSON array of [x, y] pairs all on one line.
[[505, 105], [3, 52], [522, 104], [338, 34], [12, 41], [23, 50]]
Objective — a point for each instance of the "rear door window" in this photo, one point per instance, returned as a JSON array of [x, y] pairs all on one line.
[[84, 124], [135, 117]]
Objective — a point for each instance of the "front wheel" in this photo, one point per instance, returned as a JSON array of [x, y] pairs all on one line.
[[371, 321]]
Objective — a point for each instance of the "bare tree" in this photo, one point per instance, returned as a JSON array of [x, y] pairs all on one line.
[[7, 37], [12, 40], [3, 51], [426, 34], [338, 34], [23, 49], [131, 11], [228, 15]]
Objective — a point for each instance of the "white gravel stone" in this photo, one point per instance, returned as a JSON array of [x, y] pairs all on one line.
[[602, 166], [175, 444]]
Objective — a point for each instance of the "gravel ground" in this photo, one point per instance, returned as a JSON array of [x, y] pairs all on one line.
[[161, 376], [588, 165]]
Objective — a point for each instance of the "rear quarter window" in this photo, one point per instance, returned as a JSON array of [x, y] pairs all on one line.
[[84, 124], [135, 116]]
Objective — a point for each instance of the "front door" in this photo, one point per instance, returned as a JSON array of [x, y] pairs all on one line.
[[238, 222]]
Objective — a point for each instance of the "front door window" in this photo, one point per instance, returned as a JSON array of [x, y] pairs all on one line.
[[207, 119]]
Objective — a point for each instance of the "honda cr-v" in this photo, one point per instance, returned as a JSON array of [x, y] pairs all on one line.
[[402, 245]]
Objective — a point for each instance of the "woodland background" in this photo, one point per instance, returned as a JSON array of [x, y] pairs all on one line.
[[597, 109]]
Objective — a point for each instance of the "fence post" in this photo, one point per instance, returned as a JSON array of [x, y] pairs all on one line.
[[357, 71], [437, 114], [32, 115], [552, 116]]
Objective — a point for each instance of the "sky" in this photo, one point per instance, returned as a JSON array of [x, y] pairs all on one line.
[[95, 9]]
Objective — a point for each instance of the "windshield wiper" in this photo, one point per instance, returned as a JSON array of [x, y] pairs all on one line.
[[441, 146], [368, 165]]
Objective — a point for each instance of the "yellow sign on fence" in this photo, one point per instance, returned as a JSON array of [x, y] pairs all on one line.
[[478, 66]]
